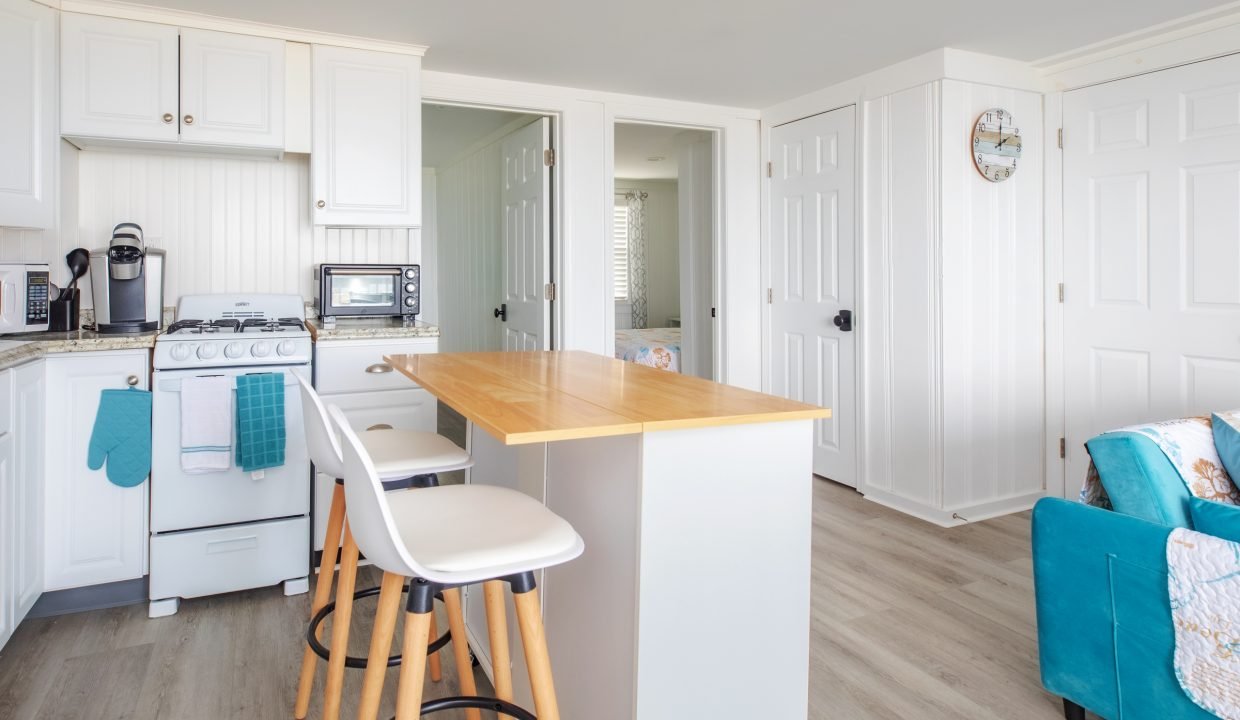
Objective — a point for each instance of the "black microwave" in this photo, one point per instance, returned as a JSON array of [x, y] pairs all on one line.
[[368, 290]]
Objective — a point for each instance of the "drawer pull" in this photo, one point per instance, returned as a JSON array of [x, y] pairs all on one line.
[[379, 369], [248, 542], [380, 426]]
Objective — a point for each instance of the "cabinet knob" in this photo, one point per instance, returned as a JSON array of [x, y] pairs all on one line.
[[168, 118], [320, 204], [131, 381], [189, 119]]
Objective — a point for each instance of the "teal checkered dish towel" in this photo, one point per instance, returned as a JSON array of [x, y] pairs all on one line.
[[260, 421], [122, 436]]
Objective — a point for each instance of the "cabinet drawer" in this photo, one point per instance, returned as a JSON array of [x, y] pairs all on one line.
[[237, 557], [340, 368]]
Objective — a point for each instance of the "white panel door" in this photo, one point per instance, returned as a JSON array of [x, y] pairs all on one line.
[[27, 126], [366, 146], [118, 78], [95, 532], [812, 357], [232, 89], [1151, 250], [527, 237]]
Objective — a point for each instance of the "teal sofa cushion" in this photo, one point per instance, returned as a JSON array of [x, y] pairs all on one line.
[[1216, 518], [1139, 478], [1227, 440]]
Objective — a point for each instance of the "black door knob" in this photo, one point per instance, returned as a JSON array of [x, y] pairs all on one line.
[[501, 312], [843, 321]]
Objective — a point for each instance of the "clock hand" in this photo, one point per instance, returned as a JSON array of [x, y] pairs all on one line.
[[1001, 138]]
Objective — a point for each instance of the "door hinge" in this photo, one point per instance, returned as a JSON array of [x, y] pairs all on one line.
[[1060, 292], [712, 312], [1061, 138], [770, 169], [549, 157], [549, 291], [1063, 447], [770, 296]]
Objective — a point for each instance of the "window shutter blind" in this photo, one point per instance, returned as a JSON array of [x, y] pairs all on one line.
[[620, 258]]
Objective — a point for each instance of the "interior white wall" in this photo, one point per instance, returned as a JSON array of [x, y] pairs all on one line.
[[429, 236], [662, 248]]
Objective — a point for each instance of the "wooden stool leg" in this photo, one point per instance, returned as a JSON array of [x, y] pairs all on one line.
[[380, 646], [322, 593], [412, 666], [497, 631], [433, 661], [460, 648], [529, 619], [340, 627]]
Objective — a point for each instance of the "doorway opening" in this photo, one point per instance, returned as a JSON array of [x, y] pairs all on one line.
[[663, 253]]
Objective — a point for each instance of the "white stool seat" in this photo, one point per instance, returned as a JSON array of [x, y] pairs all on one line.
[[463, 533], [401, 453]]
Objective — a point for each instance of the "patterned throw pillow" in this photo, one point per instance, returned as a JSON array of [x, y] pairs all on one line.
[[1227, 440]]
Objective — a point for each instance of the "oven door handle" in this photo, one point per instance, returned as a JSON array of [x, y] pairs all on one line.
[[362, 271]]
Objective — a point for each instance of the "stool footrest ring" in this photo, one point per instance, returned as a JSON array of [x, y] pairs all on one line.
[[352, 661], [478, 702]]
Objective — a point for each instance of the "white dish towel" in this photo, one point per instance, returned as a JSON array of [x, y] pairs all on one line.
[[206, 424]]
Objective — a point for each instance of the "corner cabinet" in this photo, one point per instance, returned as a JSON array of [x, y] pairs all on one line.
[[28, 124], [96, 532], [136, 81], [366, 138]]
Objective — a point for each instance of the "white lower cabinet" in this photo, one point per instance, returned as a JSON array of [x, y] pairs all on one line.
[[96, 532], [352, 375], [21, 493]]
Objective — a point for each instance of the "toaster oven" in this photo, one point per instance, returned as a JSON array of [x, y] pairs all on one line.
[[368, 291]]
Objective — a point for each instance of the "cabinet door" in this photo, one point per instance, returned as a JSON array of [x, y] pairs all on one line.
[[28, 396], [96, 532], [366, 146], [7, 590], [232, 89], [27, 126], [118, 78]]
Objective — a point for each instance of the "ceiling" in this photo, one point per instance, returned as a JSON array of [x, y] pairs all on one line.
[[734, 52], [447, 131], [637, 144]]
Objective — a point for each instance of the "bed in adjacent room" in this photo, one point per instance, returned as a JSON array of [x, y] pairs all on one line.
[[656, 347]]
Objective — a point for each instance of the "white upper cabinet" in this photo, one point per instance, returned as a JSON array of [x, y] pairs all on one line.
[[137, 81], [232, 89], [27, 125], [366, 145], [118, 79]]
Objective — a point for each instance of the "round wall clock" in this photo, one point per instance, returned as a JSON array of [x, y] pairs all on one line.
[[996, 145]]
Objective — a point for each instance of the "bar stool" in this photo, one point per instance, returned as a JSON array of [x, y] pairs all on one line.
[[404, 459], [443, 538]]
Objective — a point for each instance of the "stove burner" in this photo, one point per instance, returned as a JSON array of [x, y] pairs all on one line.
[[268, 325], [198, 327]]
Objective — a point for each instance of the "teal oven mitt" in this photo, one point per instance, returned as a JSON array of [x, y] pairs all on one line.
[[122, 436]]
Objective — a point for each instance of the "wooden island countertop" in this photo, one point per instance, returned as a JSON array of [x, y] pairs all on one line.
[[532, 397]]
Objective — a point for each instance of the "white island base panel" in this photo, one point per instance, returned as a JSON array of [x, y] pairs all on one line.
[[692, 598]]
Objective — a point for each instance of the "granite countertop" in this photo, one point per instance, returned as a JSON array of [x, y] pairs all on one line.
[[17, 349], [370, 329]]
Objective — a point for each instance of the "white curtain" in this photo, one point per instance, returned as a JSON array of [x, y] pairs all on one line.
[[637, 257]]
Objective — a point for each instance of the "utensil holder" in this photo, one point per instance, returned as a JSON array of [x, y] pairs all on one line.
[[63, 311]]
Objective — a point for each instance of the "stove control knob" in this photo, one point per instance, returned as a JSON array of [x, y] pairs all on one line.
[[233, 350], [180, 352], [262, 348], [286, 347], [208, 351]]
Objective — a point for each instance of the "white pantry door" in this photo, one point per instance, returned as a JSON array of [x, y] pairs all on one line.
[[1151, 251], [812, 279], [526, 311]]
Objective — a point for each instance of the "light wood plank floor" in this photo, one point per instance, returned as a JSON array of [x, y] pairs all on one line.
[[910, 621]]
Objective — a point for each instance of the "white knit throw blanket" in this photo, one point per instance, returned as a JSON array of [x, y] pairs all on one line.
[[1203, 579]]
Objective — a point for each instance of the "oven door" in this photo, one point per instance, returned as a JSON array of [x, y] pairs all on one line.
[[180, 501], [346, 291], [12, 299]]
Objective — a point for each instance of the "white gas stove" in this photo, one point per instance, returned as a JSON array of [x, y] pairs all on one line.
[[229, 529], [229, 330]]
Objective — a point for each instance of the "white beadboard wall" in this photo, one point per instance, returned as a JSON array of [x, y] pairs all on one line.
[[951, 310], [227, 224], [469, 249]]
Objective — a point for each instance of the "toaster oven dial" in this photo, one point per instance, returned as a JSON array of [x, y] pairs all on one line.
[[180, 352], [408, 302], [410, 287], [207, 351], [262, 348], [410, 273], [233, 350]]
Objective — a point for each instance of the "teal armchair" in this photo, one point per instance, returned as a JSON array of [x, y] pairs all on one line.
[[1105, 639], [1139, 478]]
